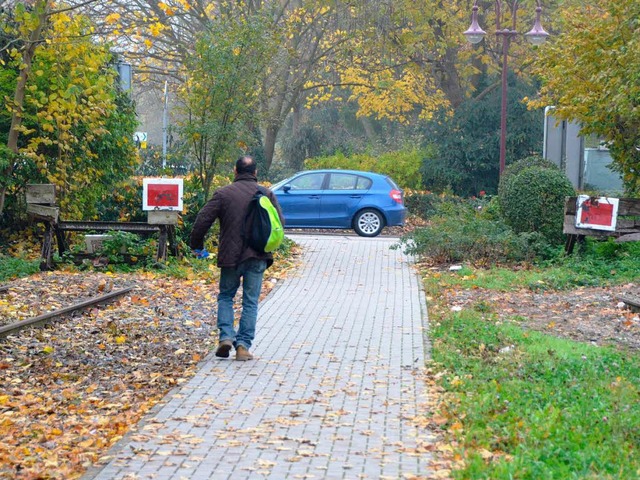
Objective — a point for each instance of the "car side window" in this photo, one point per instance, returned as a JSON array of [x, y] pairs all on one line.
[[313, 181], [342, 181], [364, 183]]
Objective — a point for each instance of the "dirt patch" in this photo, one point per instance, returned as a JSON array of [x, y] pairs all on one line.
[[591, 315]]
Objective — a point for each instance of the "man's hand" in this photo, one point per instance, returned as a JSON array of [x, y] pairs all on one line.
[[200, 253]]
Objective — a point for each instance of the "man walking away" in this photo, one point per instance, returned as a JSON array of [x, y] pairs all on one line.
[[237, 261]]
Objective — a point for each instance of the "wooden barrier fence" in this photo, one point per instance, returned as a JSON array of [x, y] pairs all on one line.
[[41, 206]]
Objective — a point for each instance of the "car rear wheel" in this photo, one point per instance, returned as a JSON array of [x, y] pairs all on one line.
[[368, 223]]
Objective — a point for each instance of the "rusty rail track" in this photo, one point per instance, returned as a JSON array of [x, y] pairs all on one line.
[[51, 316]]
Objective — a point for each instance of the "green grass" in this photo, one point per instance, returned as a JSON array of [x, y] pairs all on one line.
[[17, 267], [601, 264], [558, 409], [546, 408]]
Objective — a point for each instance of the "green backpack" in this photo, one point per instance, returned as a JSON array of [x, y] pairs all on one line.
[[263, 230]]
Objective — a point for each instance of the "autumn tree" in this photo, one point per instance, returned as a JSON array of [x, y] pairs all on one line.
[[220, 91], [395, 60], [66, 120], [30, 26], [385, 55], [590, 74]]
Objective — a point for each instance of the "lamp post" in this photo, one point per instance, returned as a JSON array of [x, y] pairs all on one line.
[[535, 36]]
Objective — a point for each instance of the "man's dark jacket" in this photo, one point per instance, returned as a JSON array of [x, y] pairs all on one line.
[[229, 204]]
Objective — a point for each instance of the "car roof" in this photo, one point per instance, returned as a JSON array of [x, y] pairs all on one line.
[[339, 170]]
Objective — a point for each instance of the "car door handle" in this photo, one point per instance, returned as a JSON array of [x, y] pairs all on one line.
[[315, 197], [356, 196]]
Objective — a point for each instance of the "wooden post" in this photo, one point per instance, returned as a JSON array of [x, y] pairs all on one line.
[[162, 244], [166, 221], [173, 244], [46, 254]]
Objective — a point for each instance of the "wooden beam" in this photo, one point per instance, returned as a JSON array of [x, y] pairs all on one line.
[[107, 226], [162, 217], [49, 214], [632, 237]]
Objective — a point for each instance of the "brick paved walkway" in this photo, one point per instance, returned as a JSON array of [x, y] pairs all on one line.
[[339, 351]]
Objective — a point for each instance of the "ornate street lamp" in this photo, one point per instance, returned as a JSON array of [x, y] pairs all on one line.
[[535, 36]]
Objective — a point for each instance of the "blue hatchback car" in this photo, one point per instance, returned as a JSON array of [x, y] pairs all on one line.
[[364, 201]]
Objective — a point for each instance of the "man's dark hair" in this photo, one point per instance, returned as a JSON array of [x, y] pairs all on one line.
[[245, 164]]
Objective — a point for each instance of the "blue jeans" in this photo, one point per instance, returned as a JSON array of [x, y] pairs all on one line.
[[251, 272]]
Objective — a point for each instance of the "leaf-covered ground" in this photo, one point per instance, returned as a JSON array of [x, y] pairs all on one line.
[[70, 390]]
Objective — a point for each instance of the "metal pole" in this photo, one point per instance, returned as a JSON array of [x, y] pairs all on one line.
[[164, 128], [503, 110], [536, 36], [506, 35]]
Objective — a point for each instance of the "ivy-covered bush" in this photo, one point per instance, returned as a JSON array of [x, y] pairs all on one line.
[[402, 166], [123, 203], [522, 164], [532, 200]]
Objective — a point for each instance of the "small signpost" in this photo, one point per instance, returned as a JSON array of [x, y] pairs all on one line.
[[162, 194], [140, 139], [601, 217]]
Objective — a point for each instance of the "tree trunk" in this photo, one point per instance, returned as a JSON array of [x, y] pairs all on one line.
[[295, 128], [18, 98], [449, 79], [368, 129], [270, 136]]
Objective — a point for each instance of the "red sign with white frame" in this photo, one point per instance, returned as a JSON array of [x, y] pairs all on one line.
[[162, 194], [597, 213]]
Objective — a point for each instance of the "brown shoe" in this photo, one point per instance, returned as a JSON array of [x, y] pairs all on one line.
[[242, 354], [224, 347]]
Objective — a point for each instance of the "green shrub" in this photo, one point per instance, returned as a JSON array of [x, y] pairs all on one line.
[[362, 162], [124, 203], [119, 242], [491, 209], [524, 163], [460, 233], [402, 166], [532, 200], [16, 267], [421, 204]]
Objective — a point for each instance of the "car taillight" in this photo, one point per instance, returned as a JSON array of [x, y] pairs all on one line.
[[396, 195]]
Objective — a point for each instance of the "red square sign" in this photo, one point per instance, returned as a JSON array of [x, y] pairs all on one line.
[[162, 194], [598, 213]]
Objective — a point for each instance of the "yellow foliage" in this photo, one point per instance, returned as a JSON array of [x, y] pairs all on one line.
[[112, 18], [156, 28], [166, 9]]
